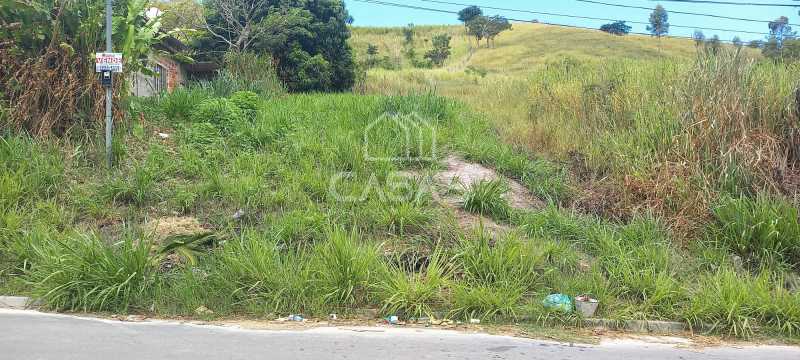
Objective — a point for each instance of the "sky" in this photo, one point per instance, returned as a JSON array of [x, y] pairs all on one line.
[[370, 14]]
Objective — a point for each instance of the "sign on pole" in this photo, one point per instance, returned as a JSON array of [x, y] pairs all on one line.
[[108, 62]]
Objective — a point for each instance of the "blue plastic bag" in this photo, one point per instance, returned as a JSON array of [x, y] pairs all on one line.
[[558, 302]]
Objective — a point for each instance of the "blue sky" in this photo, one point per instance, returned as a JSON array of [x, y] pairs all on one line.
[[366, 14]]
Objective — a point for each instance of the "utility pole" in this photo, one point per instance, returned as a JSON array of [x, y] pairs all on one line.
[[109, 88]]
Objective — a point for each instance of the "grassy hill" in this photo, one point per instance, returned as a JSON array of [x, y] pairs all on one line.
[[526, 45]]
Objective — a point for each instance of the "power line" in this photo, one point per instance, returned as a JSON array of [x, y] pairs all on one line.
[[727, 3], [385, 3], [678, 12], [592, 18]]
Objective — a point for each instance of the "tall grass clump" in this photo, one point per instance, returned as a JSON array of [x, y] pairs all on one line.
[[495, 276], [258, 276], [736, 126], [179, 105], [416, 294], [641, 264], [741, 305], [487, 197], [245, 71], [82, 273], [343, 271], [764, 230]]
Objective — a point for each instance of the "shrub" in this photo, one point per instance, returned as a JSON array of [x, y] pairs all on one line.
[[247, 101], [220, 112], [82, 273], [487, 197], [764, 230]]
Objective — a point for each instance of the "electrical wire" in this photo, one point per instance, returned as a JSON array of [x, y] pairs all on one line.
[[593, 18], [678, 12], [386, 3]]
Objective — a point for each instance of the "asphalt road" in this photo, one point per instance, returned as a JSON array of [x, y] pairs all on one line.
[[31, 335]]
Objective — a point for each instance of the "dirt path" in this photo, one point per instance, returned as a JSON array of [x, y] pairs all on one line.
[[460, 175]]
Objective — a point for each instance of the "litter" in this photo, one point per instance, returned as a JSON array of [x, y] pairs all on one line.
[[393, 320], [332, 317], [558, 302], [474, 321], [586, 305], [295, 318]]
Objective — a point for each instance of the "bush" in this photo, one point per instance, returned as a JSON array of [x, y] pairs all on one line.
[[764, 230], [256, 273], [220, 112], [247, 101]]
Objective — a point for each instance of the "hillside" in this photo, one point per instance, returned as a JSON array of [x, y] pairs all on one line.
[[524, 47]]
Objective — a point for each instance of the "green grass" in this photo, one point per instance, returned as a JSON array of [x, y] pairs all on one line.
[[322, 227]]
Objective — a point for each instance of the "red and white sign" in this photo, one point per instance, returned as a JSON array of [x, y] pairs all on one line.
[[108, 62]]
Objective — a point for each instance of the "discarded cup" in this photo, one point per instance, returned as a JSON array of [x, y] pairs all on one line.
[[332, 317], [586, 305]]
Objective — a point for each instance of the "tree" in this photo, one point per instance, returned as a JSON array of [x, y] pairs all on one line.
[[659, 22], [780, 30], [440, 51], [408, 34], [306, 39], [182, 16], [482, 27], [497, 24], [372, 49], [469, 13], [755, 44], [478, 27], [713, 44], [737, 42], [699, 38], [372, 52], [616, 28]]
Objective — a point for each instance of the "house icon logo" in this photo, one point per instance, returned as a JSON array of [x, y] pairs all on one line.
[[400, 138]]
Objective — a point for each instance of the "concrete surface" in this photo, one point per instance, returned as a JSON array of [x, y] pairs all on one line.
[[33, 335], [14, 302]]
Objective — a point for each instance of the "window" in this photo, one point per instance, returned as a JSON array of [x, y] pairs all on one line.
[[159, 79]]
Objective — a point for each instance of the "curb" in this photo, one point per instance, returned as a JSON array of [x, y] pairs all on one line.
[[639, 326], [15, 302]]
